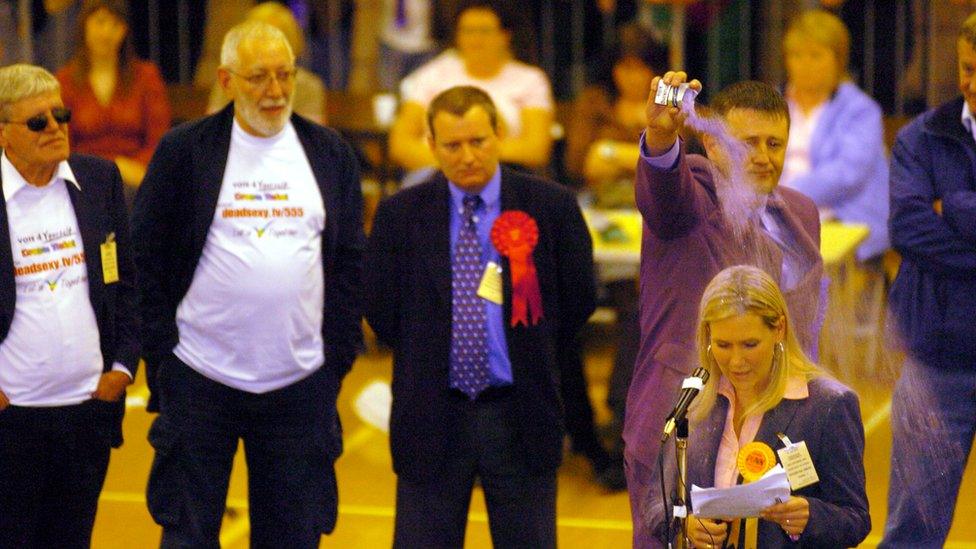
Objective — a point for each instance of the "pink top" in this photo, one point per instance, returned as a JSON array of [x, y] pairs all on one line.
[[516, 87], [726, 463]]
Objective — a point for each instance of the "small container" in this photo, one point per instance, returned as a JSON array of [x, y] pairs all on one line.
[[673, 96]]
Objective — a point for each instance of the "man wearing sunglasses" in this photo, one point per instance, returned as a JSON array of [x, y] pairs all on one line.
[[68, 324], [249, 240]]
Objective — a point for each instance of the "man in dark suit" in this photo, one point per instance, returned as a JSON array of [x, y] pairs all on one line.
[[476, 278], [68, 326], [248, 235]]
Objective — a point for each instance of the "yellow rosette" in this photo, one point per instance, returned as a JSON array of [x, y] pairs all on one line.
[[754, 460]]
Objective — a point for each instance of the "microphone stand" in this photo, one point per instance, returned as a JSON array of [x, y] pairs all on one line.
[[681, 488]]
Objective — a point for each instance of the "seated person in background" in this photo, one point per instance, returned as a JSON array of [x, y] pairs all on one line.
[[309, 98], [608, 118], [762, 386], [836, 152], [483, 58], [119, 107]]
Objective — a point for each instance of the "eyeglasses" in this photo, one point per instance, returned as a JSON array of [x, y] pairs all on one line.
[[263, 79], [61, 115]]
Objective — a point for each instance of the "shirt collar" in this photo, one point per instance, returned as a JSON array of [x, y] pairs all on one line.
[[796, 388], [13, 181], [967, 119], [489, 195]]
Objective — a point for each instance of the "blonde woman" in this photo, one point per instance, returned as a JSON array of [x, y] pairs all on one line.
[[763, 388], [836, 152]]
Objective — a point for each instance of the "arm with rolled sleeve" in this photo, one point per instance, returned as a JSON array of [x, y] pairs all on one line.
[[839, 518], [917, 231], [842, 174]]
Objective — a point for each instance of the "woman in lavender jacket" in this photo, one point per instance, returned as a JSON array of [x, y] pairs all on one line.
[[762, 388], [836, 153]]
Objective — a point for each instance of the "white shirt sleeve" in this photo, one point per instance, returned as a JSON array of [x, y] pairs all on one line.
[[119, 367]]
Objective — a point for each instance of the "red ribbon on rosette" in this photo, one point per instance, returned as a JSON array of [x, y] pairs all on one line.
[[515, 235]]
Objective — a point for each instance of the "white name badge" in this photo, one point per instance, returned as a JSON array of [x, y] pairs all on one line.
[[491, 283], [799, 467]]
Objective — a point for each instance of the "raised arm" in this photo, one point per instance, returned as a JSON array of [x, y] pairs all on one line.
[[667, 193]]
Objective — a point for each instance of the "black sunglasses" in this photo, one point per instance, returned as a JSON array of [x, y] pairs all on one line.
[[61, 115]]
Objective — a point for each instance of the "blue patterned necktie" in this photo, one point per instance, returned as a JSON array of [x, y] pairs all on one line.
[[469, 348]]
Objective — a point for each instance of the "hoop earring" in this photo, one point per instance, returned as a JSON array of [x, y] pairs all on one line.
[[779, 354]]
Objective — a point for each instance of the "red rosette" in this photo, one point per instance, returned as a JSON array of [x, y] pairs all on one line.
[[515, 234]]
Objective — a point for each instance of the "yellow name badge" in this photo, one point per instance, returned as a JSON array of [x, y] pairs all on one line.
[[491, 283], [110, 260], [799, 467]]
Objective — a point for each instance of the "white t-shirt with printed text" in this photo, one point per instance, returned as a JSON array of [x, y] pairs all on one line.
[[51, 355], [252, 318]]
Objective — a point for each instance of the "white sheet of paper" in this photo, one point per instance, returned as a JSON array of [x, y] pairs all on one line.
[[744, 500]]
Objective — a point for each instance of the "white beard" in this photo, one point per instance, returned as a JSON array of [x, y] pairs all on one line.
[[251, 113]]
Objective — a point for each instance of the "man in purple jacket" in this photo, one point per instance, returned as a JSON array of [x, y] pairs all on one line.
[[695, 224], [933, 300]]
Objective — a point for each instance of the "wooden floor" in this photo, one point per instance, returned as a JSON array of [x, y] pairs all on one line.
[[587, 516]]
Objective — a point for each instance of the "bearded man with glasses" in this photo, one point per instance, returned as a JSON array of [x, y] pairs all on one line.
[[68, 324], [249, 240]]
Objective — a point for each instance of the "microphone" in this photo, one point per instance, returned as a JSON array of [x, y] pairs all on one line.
[[690, 388]]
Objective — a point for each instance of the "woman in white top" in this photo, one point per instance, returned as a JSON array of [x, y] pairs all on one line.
[[482, 58]]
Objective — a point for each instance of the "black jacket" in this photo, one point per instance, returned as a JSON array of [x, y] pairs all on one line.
[[175, 206], [408, 297]]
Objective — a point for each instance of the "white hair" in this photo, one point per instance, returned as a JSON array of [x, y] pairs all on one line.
[[21, 81], [249, 30]]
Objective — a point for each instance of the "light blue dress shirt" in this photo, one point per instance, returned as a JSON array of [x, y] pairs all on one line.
[[498, 362]]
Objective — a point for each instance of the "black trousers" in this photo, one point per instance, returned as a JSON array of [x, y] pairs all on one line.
[[53, 462], [521, 503], [291, 479]]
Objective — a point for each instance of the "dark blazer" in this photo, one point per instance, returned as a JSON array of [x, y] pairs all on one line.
[[100, 209], [175, 206], [408, 304], [829, 421]]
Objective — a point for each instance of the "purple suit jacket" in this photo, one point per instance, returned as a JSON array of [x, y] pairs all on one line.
[[829, 421], [686, 242]]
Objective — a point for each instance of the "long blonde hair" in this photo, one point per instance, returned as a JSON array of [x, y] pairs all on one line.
[[740, 290]]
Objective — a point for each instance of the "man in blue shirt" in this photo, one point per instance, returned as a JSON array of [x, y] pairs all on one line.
[[476, 278], [933, 300]]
